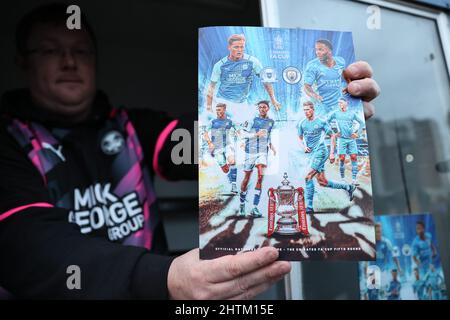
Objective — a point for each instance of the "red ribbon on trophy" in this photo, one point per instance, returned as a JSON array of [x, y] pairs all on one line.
[[302, 220], [271, 212]]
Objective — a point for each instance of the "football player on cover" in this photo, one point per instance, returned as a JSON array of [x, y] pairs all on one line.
[[235, 74], [419, 286], [346, 136], [434, 280], [326, 72], [385, 251], [311, 133], [372, 291], [257, 135], [423, 250], [221, 145], [394, 287]]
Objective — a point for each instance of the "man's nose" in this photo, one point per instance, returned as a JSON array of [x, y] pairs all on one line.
[[68, 59]]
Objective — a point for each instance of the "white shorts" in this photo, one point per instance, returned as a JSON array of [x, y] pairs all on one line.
[[253, 159]]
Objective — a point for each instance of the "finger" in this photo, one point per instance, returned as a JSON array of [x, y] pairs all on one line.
[[357, 70], [254, 291], [230, 267], [243, 283], [369, 110], [367, 89]]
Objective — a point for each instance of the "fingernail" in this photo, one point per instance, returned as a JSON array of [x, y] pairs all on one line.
[[272, 253], [283, 267]]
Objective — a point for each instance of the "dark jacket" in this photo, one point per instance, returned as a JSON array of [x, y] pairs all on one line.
[[60, 203]]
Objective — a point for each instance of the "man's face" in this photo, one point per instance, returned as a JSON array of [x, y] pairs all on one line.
[[60, 68], [378, 232], [394, 275], [309, 112], [419, 229], [263, 109], [322, 52], [416, 274], [220, 111], [343, 105], [236, 49]]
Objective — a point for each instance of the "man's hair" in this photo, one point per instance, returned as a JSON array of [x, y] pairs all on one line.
[[416, 269], [325, 42], [309, 104], [235, 37], [394, 270], [343, 99], [221, 105], [421, 223], [52, 13], [266, 102]]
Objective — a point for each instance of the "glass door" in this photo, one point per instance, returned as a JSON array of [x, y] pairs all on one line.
[[408, 136]]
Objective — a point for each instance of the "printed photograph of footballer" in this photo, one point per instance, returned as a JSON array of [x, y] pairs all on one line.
[[346, 137], [434, 281], [373, 291], [260, 186], [235, 74], [408, 264], [323, 77], [220, 135], [393, 292], [311, 134], [420, 287], [423, 249], [257, 135]]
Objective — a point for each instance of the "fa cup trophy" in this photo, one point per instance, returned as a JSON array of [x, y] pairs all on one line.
[[287, 202]]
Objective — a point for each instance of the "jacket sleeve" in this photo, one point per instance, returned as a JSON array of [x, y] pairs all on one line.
[[168, 143], [38, 244]]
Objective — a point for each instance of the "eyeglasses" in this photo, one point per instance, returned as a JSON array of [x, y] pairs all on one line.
[[81, 53]]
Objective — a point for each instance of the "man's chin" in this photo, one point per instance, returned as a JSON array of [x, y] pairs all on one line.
[[72, 94], [73, 104]]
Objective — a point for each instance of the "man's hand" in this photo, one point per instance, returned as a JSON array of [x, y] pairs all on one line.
[[360, 84], [261, 133], [354, 136], [211, 146], [307, 149], [242, 276], [276, 104], [318, 97], [273, 150]]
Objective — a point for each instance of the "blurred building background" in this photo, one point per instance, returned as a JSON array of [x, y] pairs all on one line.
[[148, 59]]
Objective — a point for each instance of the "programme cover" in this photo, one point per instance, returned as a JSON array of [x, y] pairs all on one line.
[[408, 264], [283, 157]]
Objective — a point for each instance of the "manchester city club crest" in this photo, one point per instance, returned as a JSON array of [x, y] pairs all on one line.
[[292, 75], [269, 75], [112, 143]]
